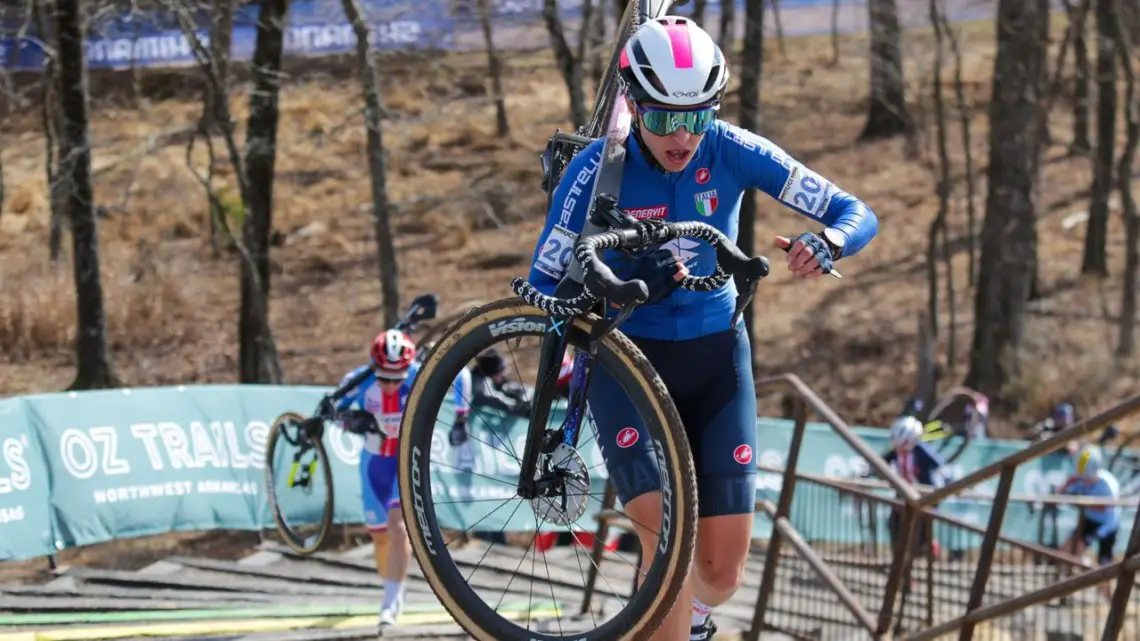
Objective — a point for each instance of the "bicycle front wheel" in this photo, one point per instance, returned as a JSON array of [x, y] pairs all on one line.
[[468, 499], [299, 484]]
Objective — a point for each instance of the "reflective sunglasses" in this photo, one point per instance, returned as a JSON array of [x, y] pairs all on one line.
[[662, 122]]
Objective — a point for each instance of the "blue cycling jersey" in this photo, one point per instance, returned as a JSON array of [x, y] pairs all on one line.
[[1106, 486], [920, 465], [728, 162]]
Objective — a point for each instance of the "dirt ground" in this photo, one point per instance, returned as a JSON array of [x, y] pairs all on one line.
[[470, 208]]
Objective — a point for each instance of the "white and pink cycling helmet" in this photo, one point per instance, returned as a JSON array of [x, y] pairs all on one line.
[[674, 62]]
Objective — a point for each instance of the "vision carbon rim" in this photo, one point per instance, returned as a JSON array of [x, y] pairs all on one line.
[[299, 488], [510, 319]]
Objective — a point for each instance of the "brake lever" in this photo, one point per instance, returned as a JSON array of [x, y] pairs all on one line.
[[746, 291]]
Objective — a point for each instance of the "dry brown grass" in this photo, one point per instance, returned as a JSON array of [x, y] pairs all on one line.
[[853, 340]]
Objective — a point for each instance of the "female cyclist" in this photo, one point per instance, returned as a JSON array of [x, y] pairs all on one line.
[[381, 389], [684, 164]]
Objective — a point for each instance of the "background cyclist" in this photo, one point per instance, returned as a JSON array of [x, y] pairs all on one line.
[[1101, 523], [918, 464], [381, 388], [684, 164]]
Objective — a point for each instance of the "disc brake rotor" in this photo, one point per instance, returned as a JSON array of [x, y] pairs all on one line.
[[567, 503]]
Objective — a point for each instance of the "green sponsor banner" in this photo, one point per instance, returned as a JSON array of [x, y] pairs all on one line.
[[26, 528], [82, 468], [820, 513]]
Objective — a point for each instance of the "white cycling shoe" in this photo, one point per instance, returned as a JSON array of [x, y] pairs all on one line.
[[389, 615]]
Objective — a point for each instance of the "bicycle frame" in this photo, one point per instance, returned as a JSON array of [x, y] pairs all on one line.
[[308, 432], [559, 151]]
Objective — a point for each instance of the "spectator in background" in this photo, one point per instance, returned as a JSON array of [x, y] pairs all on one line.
[[491, 387], [917, 464], [1101, 523]]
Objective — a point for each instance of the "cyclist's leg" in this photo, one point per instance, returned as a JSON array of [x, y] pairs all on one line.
[[720, 416], [375, 510], [632, 467], [399, 548], [1105, 544]]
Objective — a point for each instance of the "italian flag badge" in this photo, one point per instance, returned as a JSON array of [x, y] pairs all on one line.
[[706, 202]]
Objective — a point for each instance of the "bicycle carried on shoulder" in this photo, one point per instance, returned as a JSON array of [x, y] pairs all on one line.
[[550, 481], [295, 456]]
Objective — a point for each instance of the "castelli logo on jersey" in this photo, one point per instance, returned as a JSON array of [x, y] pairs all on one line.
[[742, 454], [642, 213], [703, 176], [627, 437]]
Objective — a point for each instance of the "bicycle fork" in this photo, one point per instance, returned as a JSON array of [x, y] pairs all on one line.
[[304, 440]]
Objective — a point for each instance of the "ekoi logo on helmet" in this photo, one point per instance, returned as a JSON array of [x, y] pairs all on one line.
[[627, 437]]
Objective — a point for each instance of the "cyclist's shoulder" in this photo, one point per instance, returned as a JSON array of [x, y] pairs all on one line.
[[929, 453], [729, 137], [737, 146], [354, 373], [1106, 484], [413, 372], [587, 158]]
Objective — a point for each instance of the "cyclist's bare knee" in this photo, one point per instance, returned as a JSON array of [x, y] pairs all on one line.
[[721, 556], [379, 538], [398, 531]]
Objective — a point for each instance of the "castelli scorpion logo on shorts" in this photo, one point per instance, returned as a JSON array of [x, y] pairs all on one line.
[[742, 454], [627, 437]]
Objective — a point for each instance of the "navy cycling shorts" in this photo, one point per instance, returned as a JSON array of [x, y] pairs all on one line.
[[710, 380]]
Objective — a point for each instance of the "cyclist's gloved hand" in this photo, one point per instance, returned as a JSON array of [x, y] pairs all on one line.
[[809, 255], [659, 270], [458, 435], [326, 407]]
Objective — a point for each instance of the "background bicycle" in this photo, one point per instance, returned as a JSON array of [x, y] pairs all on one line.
[[298, 476]]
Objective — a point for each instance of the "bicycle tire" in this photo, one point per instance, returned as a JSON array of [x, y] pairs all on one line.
[[662, 584], [441, 325], [300, 544]]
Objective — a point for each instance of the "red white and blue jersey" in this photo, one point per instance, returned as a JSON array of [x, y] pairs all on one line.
[[388, 407]]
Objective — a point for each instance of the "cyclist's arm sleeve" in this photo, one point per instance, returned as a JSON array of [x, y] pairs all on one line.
[[762, 164], [936, 459], [565, 219], [462, 388], [487, 395], [350, 388]]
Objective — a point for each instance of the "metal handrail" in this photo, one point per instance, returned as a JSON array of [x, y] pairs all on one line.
[[793, 383], [1036, 450]]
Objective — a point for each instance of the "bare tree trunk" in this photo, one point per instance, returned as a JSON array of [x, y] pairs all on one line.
[[887, 115], [95, 369], [1082, 90], [699, 8], [834, 32], [1009, 233], [381, 208], [779, 27], [570, 66], [1123, 41], [926, 384], [751, 76], [494, 68], [1057, 84], [967, 147], [221, 41], [1095, 259], [944, 185], [44, 14], [256, 359], [727, 25], [596, 42]]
